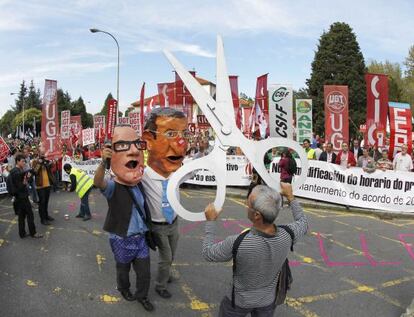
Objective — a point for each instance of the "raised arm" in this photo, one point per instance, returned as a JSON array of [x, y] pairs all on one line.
[[99, 178]]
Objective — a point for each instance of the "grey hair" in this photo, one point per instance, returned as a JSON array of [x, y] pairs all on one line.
[[267, 201], [150, 123]]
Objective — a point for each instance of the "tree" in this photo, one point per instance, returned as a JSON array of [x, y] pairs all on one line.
[[33, 98], [338, 61], [409, 63], [29, 115], [395, 79], [408, 91], [21, 97], [6, 122], [104, 110], [79, 108]]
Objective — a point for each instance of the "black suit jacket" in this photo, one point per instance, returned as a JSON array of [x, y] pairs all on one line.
[[359, 152], [324, 156]]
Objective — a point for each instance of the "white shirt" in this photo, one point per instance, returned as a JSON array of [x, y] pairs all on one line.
[[152, 182], [402, 162]]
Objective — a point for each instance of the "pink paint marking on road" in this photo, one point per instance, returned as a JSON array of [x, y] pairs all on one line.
[[365, 251], [408, 246], [330, 263], [294, 263], [190, 227]]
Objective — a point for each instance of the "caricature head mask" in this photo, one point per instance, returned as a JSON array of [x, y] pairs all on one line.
[[127, 157], [166, 135]]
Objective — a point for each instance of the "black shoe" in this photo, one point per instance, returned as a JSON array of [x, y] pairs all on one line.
[[37, 236], [163, 293], [78, 216], [45, 222], [86, 218], [127, 295], [146, 304], [22, 236], [50, 218]]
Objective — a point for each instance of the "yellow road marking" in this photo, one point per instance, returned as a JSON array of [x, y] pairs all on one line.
[[12, 223], [100, 259], [108, 299], [31, 283], [298, 306], [185, 194], [1, 242]]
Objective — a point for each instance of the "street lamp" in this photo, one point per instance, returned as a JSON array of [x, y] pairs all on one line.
[[15, 93], [117, 76]]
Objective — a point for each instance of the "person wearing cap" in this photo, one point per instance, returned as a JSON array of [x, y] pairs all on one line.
[[82, 184]]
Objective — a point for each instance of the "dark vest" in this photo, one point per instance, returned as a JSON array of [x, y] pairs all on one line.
[[120, 210]]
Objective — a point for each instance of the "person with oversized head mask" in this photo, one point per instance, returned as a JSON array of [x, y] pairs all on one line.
[[126, 200], [166, 135]]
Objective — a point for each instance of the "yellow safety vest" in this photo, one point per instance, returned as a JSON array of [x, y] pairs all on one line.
[[83, 181], [311, 154]]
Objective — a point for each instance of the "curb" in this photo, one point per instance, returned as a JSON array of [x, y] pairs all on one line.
[[386, 215]]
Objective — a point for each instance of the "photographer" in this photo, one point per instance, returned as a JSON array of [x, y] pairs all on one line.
[[44, 180], [23, 208]]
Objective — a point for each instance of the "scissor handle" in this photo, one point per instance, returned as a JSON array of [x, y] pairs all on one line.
[[215, 162], [256, 150]]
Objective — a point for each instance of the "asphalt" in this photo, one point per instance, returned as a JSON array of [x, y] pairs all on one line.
[[349, 264]]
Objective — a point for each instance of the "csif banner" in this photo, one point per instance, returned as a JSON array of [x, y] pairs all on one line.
[[303, 119], [50, 121], [336, 115], [400, 127], [377, 109], [280, 111]]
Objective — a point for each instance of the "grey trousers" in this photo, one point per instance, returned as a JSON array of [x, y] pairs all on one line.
[[226, 310], [166, 237]]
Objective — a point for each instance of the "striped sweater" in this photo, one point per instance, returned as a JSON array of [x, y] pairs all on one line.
[[259, 259]]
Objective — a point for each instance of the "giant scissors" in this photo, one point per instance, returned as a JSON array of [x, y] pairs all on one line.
[[220, 115]]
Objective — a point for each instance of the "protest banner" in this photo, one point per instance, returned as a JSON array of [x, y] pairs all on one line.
[[377, 108], [303, 119], [202, 122], [400, 127], [336, 115], [111, 118], [166, 93], [134, 121], [50, 121], [280, 111], [65, 125], [123, 120], [4, 149], [88, 136], [89, 166]]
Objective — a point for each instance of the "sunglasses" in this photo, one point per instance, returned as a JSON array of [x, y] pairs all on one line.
[[122, 146]]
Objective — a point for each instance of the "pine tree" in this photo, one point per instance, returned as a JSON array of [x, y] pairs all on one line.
[[33, 98], [104, 110], [79, 108], [338, 61], [21, 97]]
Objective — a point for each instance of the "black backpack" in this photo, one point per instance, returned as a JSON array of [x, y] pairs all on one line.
[[285, 278], [11, 189]]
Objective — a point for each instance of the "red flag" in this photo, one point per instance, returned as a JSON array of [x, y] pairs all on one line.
[[141, 103], [336, 115], [183, 96], [50, 121], [377, 108], [4, 149], [166, 94], [111, 118], [239, 118], [400, 127], [262, 98]]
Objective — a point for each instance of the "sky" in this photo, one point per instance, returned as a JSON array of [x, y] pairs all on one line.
[[51, 40]]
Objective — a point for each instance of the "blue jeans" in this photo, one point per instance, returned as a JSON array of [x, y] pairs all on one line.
[[84, 206], [32, 190]]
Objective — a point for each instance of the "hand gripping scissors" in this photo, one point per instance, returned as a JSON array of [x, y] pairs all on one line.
[[220, 115]]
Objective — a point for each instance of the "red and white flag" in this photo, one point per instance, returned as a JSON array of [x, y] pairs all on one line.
[[336, 115], [50, 121], [111, 118], [166, 93], [377, 109], [262, 99], [141, 112], [4, 149], [400, 127]]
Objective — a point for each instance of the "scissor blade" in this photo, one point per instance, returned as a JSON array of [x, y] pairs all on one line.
[[215, 116], [223, 91]]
